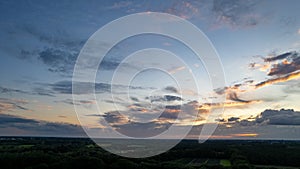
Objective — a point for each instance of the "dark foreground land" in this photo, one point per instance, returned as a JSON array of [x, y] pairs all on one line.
[[82, 153]]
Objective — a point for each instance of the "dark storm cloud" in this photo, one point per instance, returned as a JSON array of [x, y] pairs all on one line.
[[34, 127]]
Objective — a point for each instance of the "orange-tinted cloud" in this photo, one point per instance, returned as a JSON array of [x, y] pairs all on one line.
[[12, 104], [172, 71], [245, 135], [226, 104], [288, 77]]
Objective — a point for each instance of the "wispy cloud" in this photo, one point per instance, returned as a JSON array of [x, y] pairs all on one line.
[[65, 87], [7, 105], [120, 5], [78, 102], [184, 9], [237, 13], [288, 77], [16, 125], [176, 69], [35, 91]]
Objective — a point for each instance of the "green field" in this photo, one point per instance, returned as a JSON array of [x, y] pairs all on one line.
[[225, 163]]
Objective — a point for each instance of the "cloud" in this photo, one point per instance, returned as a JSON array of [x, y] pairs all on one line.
[[115, 118], [167, 98], [78, 102], [58, 60], [172, 98], [233, 96], [292, 88], [280, 117], [10, 90], [134, 99], [136, 123], [62, 59], [65, 87], [171, 89], [233, 119], [227, 104], [7, 105], [36, 91], [9, 119], [278, 57], [176, 69], [43, 92], [15, 125], [245, 135], [142, 130], [133, 128], [184, 9], [285, 68], [120, 5], [288, 77], [236, 13], [287, 62], [270, 117]]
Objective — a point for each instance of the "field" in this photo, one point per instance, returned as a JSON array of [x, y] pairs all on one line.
[[82, 153]]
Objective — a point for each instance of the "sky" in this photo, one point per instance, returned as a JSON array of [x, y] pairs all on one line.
[[257, 42]]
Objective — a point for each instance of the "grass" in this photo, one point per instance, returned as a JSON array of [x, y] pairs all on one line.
[[225, 163]]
